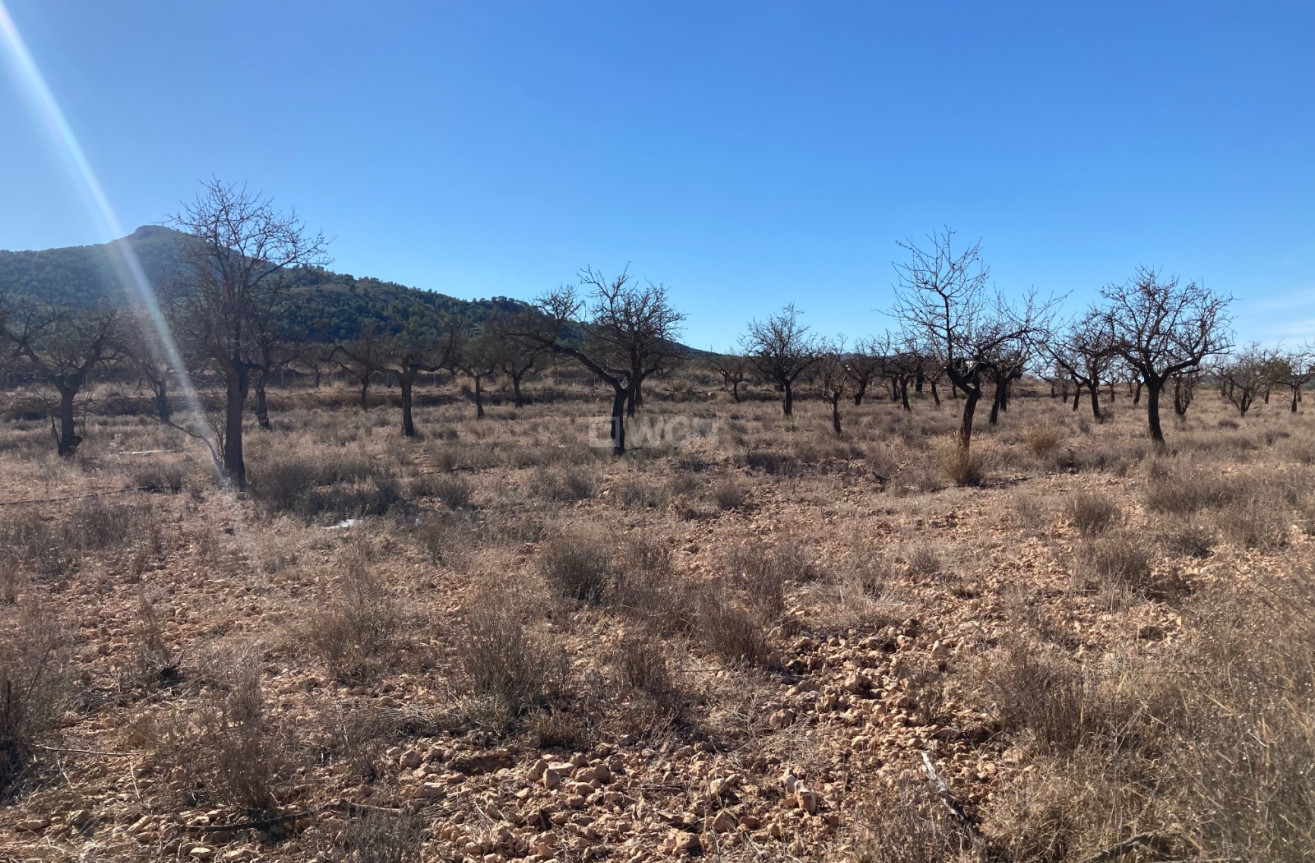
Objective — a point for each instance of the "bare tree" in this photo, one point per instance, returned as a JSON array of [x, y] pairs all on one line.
[[1159, 327], [1245, 376], [733, 368], [518, 359], [863, 365], [942, 301], [629, 333], [61, 346], [1184, 389], [423, 343], [782, 349], [142, 345], [479, 359], [1294, 369], [241, 246], [362, 358], [830, 378], [1083, 354]]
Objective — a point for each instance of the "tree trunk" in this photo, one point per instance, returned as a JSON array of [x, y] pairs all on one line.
[[162, 400], [859, 393], [618, 431], [1136, 395], [835, 415], [1095, 401], [365, 391], [997, 402], [1296, 389], [1153, 387], [239, 383], [630, 401], [262, 409], [479, 399], [1077, 398], [67, 441], [516, 390], [969, 408], [789, 398], [408, 425], [735, 392], [935, 395], [904, 394]]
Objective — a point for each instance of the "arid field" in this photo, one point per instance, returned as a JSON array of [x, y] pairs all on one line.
[[499, 642]]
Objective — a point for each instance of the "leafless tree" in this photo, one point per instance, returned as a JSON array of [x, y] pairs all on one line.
[[480, 359], [1160, 326], [782, 348], [240, 249], [1184, 389], [942, 301], [1245, 376], [362, 358], [830, 378], [518, 359], [425, 342], [734, 369], [142, 346], [1083, 354], [1294, 369], [61, 346], [629, 332], [863, 365]]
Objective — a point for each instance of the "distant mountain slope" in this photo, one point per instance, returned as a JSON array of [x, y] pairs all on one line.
[[328, 306]]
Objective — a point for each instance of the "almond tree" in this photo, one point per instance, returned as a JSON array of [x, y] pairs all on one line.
[[1295, 369], [782, 349], [1244, 377], [240, 250], [61, 347], [830, 378], [733, 369], [627, 333], [478, 359], [863, 365], [1083, 353], [1160, 327], [942, 302]]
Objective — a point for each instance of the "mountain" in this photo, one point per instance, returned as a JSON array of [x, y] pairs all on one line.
[[327, 306]]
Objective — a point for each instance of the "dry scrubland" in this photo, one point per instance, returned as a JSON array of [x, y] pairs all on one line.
[[739, 649]]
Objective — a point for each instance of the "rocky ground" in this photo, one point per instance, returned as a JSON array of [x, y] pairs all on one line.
[[266, 677]]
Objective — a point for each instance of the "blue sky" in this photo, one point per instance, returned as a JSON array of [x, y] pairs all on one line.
[[746, 154]]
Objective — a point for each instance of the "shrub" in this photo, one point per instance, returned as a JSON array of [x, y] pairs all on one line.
[[730, 494], [730, 631], [359, 626], [925, 561], [504, 662], [642, 667], [578, 567], [1092, 512], [448, 537], [1186, 490], [159, 478], [565, 484], [1043, 438], [374, 836], [34, 688], [1118, 562], [960, 466], [228, 745]]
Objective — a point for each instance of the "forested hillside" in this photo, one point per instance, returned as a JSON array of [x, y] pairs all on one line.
[[326, 306]]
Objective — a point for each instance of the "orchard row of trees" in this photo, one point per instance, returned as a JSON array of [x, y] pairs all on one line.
[[228, 312], [1160, 333]]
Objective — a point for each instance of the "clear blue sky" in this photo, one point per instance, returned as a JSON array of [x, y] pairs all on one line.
[[747, 154]]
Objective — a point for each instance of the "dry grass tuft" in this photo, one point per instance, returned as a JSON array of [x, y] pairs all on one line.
[[1093, 512]]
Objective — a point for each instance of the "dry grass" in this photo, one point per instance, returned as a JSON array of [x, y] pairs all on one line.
[[1091, 638]]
